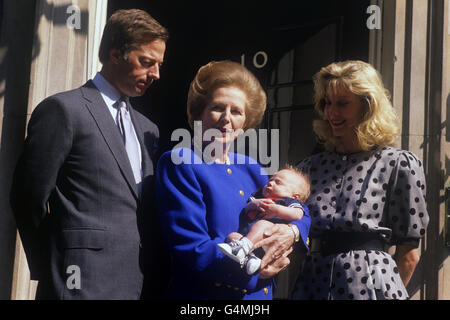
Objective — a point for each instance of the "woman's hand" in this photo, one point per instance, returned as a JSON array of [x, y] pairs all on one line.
[[273, 268], [407, 258], [278, 240]]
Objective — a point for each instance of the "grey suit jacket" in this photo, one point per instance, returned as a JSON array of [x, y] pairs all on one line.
[[75, 199]]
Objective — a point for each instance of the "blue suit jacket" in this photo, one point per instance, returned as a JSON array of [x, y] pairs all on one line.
[[199, 205]]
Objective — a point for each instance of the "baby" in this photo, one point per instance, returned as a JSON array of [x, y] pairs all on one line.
[[279, 201]]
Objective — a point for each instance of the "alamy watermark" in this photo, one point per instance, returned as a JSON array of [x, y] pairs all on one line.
[[74, 279], [74, 19], [374, 20], [375, 278], [257, 143]]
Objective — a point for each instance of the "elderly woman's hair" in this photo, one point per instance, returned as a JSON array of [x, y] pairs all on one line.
[[220, 74], [378, 126]]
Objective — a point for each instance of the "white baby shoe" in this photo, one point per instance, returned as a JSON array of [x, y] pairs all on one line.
[[253, 263], [235, 250], [240, 251]]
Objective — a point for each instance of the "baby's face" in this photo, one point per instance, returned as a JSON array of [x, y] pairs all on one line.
[[282, 184]]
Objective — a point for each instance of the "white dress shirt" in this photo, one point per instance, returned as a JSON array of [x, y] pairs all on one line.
[[111, 96]]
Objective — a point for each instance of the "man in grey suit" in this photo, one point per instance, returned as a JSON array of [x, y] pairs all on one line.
[[79, 187]]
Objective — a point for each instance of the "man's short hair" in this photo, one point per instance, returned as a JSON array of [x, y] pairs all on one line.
[[126, 30]]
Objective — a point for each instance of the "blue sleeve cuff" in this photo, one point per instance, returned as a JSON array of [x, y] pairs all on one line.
[[303, 226]]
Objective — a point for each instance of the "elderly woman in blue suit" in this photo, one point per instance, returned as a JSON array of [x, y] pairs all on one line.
[[199, 199]]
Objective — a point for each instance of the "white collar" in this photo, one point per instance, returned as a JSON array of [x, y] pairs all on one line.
[[109, 93]]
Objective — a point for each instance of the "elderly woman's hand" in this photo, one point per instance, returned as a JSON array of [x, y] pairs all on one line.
[[273, 268], [278, 240]]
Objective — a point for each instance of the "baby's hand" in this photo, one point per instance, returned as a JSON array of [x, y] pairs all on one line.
[[259, 205], [272, 210]]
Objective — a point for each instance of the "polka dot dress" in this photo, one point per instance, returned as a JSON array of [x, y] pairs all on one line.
[[382, 191]]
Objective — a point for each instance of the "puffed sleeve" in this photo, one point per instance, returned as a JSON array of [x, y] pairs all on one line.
[[183, 216], [407, 210]]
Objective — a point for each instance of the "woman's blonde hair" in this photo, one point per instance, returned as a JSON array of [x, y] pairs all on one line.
[[220, 74], [378, 126]]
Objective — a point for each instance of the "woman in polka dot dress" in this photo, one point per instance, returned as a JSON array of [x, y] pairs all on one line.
[[365, 194]]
